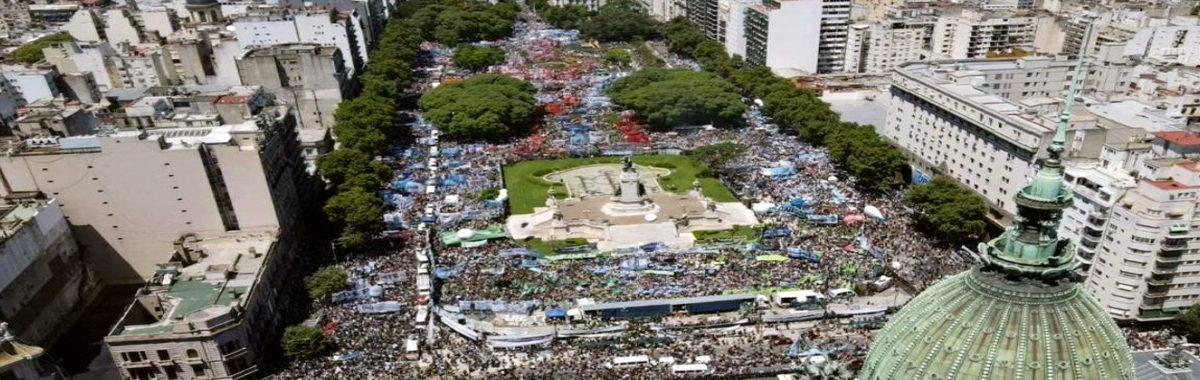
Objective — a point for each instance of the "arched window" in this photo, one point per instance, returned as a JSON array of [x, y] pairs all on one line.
[[192, 353]]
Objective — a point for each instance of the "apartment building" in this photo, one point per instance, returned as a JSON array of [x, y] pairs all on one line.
[[709, 16], [14, 18], [84, 57], [34, 84], [130, 194], [970, 33], [591, 5], [1166, 45], [1146, 267], [797, 37], [213, 311], [43, 279], [1096, 189], [141, 66], [309, 76], [981, 122], [279, 26], [880, 47]]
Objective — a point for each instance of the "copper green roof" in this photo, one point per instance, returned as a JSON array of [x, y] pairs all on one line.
[[981, 325]]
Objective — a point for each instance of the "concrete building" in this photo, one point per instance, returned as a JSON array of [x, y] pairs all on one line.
[[735, 25], [79, 57], [54, 121], [14, 18], [43, 279], [85, 26], [664, 10], [278, 26], [192, 56], [10, 99], [142, 66], [797, 37], [1096, 189], [968, 33], [32, 83], [204, 11], [1145, 268], [129, 195], [311, 77], [51, 13], [981, 122], [1166, 45], [81, 87], [880, 47], [212, 310], [121, 28]]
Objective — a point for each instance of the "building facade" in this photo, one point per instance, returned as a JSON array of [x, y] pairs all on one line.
[[308, 76], [969, 33]]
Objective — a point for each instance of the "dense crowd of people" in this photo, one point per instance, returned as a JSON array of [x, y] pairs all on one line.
[[443, 187]]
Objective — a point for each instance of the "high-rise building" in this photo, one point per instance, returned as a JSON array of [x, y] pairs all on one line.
[[1020, 314], [797, 37], [43, 281], [1145, 267], [981, 122], [129, 195], [311, 77], [880, 47], [280, 26], [969, 33]]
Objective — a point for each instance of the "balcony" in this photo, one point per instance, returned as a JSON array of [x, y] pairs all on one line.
[[1163, 268], [245, 373], [1179, 229], [1174, 245], [235, 353], [1160, 280], [1152, 303], [139, 364]]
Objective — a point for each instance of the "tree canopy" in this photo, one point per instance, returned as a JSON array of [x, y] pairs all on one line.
[[618, 57], [477, 58], [564, 17], [323, 283], [620, 21], [358, 212], [948, 211], [488, 106], [31, 52], [303, 342], [1188, 323], [715, 156], [665, 98]]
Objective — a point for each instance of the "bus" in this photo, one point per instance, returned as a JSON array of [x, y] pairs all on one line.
[[629, 361], [689, 369], [411, 349]]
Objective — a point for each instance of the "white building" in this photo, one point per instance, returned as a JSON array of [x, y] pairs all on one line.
[[1166, 45], [591, 5], [1096, 189], [33, 84], [142, 66], [1146, 267], [969, 33], [797, 37], [119, 27], [80, 57], [879, 47], [85, 26], [982, 122], [279, 27], [735, 25]]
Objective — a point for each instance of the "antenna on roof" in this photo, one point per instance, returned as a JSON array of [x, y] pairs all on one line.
[[1064, 119]]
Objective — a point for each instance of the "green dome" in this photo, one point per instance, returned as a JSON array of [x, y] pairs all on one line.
[[981, 325]]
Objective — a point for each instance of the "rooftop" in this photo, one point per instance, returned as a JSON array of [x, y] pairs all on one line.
[[1181, 138], [185, 297]]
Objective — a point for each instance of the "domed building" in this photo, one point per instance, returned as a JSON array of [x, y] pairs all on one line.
[[204, 11], [1021, 314]]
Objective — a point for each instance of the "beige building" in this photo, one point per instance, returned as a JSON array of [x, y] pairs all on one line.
[[879, 47], [311, 77], [969, 33], [43, 280], [212, 312], [129, 195]]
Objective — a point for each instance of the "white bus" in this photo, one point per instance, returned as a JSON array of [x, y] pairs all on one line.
[[411, 349], [629, 361], [689, 369]]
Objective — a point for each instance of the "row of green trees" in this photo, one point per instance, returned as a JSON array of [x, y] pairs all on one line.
[[477, 58], [862, 153], [455, 22], [665, 98], [947, 211], [616, 21]]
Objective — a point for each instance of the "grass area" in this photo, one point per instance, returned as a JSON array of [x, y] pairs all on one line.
[[747, 233], [527, 189], [548, 247]]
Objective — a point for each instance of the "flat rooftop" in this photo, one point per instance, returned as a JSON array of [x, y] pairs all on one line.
[[184, 298]]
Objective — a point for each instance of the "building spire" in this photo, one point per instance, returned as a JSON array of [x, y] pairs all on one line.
[[1031, 247]]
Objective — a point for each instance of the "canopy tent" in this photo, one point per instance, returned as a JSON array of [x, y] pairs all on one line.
[[771, 258], [874, 212], [556, 313], [468, 237]]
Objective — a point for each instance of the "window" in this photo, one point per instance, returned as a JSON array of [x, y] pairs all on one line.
[[163, 354], [192, 353], [198, 370], [133, 356]]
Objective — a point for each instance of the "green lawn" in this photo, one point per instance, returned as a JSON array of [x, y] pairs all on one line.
[[527, 189]]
